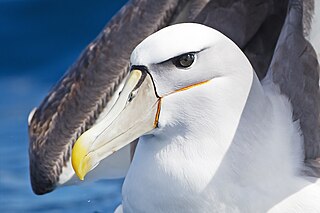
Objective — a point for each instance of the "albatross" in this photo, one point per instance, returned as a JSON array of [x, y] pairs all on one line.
[[195, 103], [275, 36]]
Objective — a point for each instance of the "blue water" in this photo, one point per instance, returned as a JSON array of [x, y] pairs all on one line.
[[39, 40]]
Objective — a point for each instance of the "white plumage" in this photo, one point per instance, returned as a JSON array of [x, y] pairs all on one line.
[[214, 150]]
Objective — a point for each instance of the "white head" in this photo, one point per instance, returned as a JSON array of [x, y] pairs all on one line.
[[187, 76], [215, 56]]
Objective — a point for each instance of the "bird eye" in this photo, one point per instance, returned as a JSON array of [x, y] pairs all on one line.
[[184, 61]]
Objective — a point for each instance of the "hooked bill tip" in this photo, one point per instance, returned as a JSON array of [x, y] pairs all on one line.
[[80, 160]]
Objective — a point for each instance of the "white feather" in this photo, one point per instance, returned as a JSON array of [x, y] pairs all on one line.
[[226, 146]]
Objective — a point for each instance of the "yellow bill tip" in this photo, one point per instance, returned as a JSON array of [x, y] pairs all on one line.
[[79, 159]]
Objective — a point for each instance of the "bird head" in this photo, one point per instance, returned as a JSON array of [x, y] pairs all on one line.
[[174, 71]]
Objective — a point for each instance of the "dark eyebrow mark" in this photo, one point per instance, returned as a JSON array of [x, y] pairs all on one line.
[[175, 57]]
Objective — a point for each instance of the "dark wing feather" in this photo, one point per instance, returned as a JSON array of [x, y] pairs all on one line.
[[78, 98], [253, 25], [295, 69]]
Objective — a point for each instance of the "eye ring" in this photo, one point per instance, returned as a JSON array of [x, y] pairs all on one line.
[[184, 60]]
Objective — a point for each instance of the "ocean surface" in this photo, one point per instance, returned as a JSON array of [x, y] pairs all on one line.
[[39, 40]]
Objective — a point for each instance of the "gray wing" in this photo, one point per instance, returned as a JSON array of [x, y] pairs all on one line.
[[253, 25], [295, 69], [80, 96]]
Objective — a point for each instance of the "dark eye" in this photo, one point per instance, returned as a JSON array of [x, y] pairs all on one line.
[[184, 61]]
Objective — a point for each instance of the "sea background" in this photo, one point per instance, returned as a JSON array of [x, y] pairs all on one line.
[[39, 40]]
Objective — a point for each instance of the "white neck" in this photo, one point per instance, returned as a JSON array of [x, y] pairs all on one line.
[[221, 161]]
